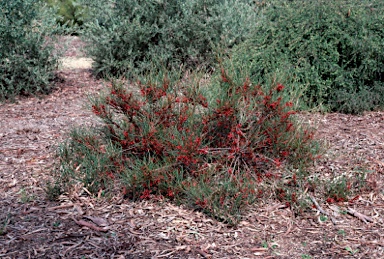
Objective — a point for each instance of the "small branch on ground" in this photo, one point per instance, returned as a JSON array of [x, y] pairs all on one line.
[[360, 216], [321, 209], [89, 225]]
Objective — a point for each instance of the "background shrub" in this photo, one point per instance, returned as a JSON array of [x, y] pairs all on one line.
[[330, 51], [133, 36], [27, 63], [70, 12]]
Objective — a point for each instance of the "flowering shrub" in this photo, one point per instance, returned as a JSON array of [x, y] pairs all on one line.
[[167, 140]]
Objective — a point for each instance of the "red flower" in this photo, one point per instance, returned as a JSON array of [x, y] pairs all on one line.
[[203, 101], [224, 76], [170, 193], [226, 112], [277, 162], [289, 104], [354, 199], [202, 203], [274, 105], [145, 195], [267, 99], [279, 87], [98, 110], [110, 174], [289, 126]]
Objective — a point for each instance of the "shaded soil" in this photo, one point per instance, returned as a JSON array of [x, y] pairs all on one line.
[[82, 226]]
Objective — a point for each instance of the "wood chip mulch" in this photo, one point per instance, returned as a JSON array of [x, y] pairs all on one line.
[[84, 226]]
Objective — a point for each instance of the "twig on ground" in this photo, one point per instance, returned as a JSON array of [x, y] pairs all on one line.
[[321, 209], [204, 254], [65, 206], [360, 216], [89, 225]]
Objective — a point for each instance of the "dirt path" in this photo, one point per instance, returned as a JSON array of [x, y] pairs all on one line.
[[80, 226]]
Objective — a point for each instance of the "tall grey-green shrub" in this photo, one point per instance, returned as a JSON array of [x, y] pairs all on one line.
[[334, 50], [133, 36], [26, 62]]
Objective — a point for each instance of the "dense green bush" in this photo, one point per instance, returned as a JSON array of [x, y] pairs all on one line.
[[133, 36], [331, 51], [70, 12], [26, 62]]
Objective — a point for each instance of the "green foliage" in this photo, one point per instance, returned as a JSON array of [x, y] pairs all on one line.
[[4, 222], [343, 188], [132, 36], [207, 146], [91, 166], [70, 12], [26, 62], [52, 190], [331, 51]]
